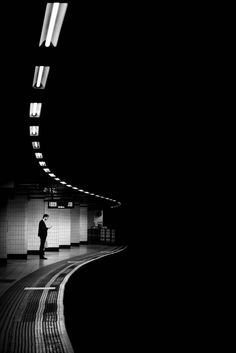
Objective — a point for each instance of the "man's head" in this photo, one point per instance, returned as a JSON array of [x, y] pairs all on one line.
[[45, 216]]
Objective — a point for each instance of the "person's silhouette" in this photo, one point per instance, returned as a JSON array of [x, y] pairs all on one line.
[[42, 233]]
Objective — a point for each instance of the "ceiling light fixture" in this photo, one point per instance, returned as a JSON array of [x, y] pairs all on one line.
[[35, 110], [38, 155], [36, 144], [40, 76], [53, 19], [34, 130]]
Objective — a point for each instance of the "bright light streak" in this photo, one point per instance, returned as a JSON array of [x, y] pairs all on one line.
[[52, 23], [40, 74]]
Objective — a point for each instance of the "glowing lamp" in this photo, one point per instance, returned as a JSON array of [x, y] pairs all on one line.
[[40, 76], [35, 110], [38, 155], [53, 19], [34, 130], [36, 144]]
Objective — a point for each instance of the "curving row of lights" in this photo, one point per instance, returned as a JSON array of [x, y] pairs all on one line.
[[53, 19]]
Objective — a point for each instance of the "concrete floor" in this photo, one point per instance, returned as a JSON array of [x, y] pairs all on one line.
[[17, 269]]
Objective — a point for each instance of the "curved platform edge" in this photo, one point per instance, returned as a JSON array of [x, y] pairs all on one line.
[[60, 311]]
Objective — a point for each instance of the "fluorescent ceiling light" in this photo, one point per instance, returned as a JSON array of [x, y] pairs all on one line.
[[34, 130], [52, 175], [35, 110], [57, 179], [38, 155], [36, 144], [53, 19], [70, 186], [40, 76], [63, 182], [42, 163], [74, 187], [46, 170], [55, 8]]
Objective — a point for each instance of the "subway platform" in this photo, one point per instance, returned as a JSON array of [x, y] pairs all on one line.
[[31, 298]]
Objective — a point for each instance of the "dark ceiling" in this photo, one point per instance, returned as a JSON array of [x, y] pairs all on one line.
[[86, 124]]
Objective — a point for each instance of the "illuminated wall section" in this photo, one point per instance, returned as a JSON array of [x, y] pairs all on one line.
[[75, 225], [83, 226], [59, 234], [35, 211], [3, 231], [16, 232], [53, 233], [64, 227]]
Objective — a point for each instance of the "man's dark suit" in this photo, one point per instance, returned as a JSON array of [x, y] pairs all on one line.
[[42, 233]]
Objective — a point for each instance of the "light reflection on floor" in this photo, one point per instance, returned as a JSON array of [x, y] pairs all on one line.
[[17, 269]]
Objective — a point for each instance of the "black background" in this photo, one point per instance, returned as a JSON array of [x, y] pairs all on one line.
[[93, 130], [88, 122]]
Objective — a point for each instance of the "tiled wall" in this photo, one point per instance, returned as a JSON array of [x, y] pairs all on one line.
[[60, 226], [75, 225], [83, 226], [19, 225], [53, 234], [16, 232], [34, 213], [3, 231], [64, 227]]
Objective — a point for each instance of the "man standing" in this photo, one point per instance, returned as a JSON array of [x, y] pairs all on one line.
[[42, 233]]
